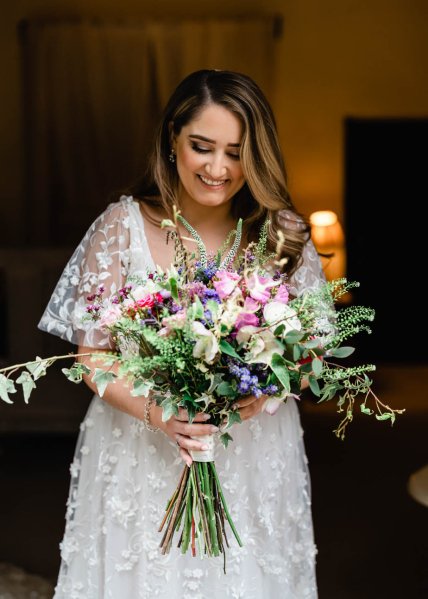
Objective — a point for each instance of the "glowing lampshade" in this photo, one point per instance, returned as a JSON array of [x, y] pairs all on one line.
[[328, 237]]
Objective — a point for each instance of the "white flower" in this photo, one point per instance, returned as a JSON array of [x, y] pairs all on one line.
[[276, 313], [206, 346], [139, 292], [117, 433], [84, 450], [122, 510], [273, 402], [260, 345]]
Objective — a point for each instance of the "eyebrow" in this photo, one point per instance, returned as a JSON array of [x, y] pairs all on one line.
[[211, 141]]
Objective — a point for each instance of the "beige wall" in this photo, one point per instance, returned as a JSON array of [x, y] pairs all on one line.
[[336, 58]]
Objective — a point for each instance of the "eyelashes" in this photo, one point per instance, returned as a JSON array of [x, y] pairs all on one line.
[[200, 150]]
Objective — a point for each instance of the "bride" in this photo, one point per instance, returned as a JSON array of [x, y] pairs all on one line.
[[216, 157]]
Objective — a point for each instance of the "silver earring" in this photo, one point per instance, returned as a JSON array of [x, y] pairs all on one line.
[[172, 156]]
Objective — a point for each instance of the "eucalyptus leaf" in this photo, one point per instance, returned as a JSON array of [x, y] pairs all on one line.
[[297, 352], [341, 352], [279, 330], [313, 384], [26, 380], [293, 337], [102, 378], [279, 367], [312, 343], [317, 366]]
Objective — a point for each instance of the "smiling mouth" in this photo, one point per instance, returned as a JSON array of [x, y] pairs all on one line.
[[213, 182]]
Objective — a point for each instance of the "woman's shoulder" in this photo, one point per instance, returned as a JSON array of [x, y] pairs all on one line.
[[289, 219], [117, 210]]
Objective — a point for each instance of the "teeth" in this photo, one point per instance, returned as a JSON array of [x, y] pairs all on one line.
[[210, 181]]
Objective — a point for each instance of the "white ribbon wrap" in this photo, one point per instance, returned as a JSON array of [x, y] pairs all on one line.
[[206, 455]]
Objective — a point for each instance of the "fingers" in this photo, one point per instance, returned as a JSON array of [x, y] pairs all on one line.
[[248, 409], [196, 429], [183, 416], [188, 443], [185, 456], [244, 402]]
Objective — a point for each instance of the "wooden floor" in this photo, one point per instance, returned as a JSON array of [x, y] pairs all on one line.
[[372, 537]]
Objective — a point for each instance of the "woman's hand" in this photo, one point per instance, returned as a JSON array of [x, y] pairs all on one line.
[[249, 406], [179, 430]]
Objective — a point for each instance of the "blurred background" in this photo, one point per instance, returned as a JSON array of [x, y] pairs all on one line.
[[83, 86]]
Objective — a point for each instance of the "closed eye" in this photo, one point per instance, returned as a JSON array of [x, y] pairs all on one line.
[[201, 150]]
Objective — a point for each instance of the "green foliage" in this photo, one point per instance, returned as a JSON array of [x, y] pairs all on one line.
[[279, 367], [76, 372], [26, 380], [6, 387], [102, 378], [225, 438], [228, 349]]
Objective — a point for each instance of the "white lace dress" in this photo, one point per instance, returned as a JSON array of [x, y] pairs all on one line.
[[122, 474]]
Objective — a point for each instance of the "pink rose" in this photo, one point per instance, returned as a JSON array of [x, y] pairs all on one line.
[[110, 316], [173, 322], [226, 283]]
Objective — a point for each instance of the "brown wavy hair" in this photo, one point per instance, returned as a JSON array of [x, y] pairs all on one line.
[[265, 193]]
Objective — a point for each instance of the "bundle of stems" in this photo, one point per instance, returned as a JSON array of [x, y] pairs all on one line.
[[198, 507]]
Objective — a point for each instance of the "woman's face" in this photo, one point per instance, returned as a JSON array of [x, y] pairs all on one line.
[[208, 162]]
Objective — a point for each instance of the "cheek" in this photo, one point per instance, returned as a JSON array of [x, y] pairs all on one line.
[[238, 175], [189, 161]]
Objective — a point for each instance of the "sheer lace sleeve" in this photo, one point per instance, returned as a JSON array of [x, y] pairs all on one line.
[[310, 274], [102, 257]]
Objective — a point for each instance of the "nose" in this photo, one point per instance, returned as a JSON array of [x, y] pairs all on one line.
[[215, 166]]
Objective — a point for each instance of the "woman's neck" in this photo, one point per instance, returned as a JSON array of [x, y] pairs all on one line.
[[205, 218]]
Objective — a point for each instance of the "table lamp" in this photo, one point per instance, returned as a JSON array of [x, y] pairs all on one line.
[[327, 235]]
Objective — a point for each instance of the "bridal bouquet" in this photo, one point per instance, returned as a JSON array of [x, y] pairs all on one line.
[[207, 332]]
